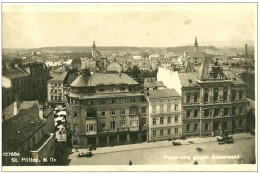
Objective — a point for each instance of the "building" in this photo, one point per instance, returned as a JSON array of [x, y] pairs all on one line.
[[56, 90], [16, 107], [213, 100], [31, 134], [114, 67], [164, 114], [106, 109], [26, 81], [152, 84]]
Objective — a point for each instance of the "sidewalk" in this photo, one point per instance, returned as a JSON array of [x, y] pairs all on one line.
[[145, 145]]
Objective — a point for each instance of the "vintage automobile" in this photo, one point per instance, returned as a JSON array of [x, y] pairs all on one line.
[[87, 154], [176, 143], [225, 140]]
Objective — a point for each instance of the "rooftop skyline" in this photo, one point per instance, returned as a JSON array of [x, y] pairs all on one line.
[[220, 25]]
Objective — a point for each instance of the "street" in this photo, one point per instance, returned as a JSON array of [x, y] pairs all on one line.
[[240, 152]]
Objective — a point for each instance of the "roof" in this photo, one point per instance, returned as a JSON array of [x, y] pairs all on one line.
[[235, 79], [13, 73], [19, 128], [153, 84], [71, 78], [188, 79], [59, 77], [103, 79], [198, 54], [163, 93], [188, 67], [8, 112], [204, 69]]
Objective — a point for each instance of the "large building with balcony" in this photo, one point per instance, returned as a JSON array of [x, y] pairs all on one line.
[[214, 101], [106, 109], [164, 114]]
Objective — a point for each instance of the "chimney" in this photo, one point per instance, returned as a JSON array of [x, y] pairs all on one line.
[[41, 112], [246, 50], [16, 107]]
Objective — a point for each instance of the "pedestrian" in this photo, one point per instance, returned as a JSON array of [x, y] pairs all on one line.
[[76, 149], [130, 162], [196, 162]]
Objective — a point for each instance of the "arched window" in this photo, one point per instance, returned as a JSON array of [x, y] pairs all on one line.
[[225, 94], [207, 127], [196, 127], [188, 128], [206, 97], [215, 94], [233, 95]]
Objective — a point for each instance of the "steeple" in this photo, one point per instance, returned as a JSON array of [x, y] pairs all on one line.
[[196, 44], [94, 45], [94, 50]]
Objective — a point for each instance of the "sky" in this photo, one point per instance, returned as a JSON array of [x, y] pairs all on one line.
[[144, 25]]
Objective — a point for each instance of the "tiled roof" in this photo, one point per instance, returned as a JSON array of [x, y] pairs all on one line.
[[188, 79], [8, 112], [60, 78], [19, 128], [103, 79], [162, 93], [153, 84], [234, 77], [13, 73]]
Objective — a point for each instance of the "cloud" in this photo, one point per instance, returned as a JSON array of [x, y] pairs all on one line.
[[187, 21]]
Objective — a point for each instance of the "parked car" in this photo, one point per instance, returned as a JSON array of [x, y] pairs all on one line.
[[87, 154]]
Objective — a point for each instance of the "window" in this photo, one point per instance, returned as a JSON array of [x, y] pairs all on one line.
[[225, 94], [75, 127], [207, 127], [161, 132], [154, 133], [188, 127], [113, 101], [196, 127], [122, 88], [103, 102], [90, 127], [161, 120], [112, 112], [195, 113], [122, 123], [206, 97], [240, 110], [188, 114], [113, 89], [161, 108], [121, 100], [176, 131], [133, 111], [122, 111], [169, 120], [91, 102], [75, 115], [143, 110], [103, 125], [234, 111], [176, 107], [101, 89], [176, 119], [168, 108], [154, 109], [216, 112], [154, 121], [133, 100], [240, 123], [206, 113], [226, 111], [233, 95], [216, 95], [112, 125], [240, 95], [188, 99], [169, 131], [103, 113], [195, 98]]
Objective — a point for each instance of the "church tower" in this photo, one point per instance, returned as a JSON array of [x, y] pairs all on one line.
[[94, 53], [196, 44]]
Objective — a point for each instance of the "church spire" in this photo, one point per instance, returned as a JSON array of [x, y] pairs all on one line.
[[196, 44], [94, 50]]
